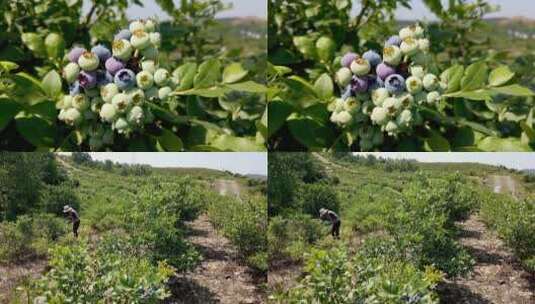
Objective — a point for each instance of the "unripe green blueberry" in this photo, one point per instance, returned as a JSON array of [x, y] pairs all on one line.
[[161, 76], [351, 105], [108, 112], [423, 45], [430, 82], [108, 91], [433, 97], [140, 40], [404, 118], [64, 103], [413, 84], [409, 46], [417, 71], [150, 26], [135, 116], [152, 93], [72, 116], [379, 96], [392, 55], [343, 76], [360, 67], [150, 53], [155, 39], [88, 61], [121, 102], [122, 49], [137, 96], [405, 33], [71, 72], [80, 102], [121, 125], [344, 117], [391, 127], [136, 26], [95, 143], [379, 115], [164, 92], [390, 104], [144, 80], [338, 105], [405, 100], [148, 66]]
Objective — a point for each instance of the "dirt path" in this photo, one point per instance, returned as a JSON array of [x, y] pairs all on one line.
[[220, 278], [497, 276], [12, 276]]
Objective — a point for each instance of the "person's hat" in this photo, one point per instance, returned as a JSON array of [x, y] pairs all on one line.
[[66, 208], [323, 211]]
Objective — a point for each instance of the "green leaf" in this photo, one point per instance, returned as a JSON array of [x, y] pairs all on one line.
[[437, 143], [248, 86], [8, 66], [8, 110], [500, 76], [514, 90], [310, 133], [481, 95], [185, 74], [474, 76], [324, 87], [34, 42], [326, 47], [305, 45], [227, 142], [37, 131], [208, 75], [52, 84], [169, 142], [530, 133], [304, 84], [234, 73], [495, 144], [452, 77], [278, 112], [212, 92], [166, 115], [27, 89]]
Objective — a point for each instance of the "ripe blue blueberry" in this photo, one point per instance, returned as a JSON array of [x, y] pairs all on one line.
[[359, 84], [102, 78], [87, 80], [373, 58], [125, 78], [123, 34], [348, 59], [113, 65], [394, 40], [347, 92], [74, 88], [384, 70], [102, 52], [395, 84], [75, 53], [375, 82]]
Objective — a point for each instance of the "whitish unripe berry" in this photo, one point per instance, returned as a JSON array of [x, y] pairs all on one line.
[[433, 97], [64, 103], [150, 67], [121, 102], [108, 112], [122, 49], [351, 105], [161, 76], [137, 96], [71, 72], [136, 26], [140, 40], [108, 91], [144, 80], [151, 93], [121, 125], [423, 45], [414, 85], [417, 71], [135, 116], [150, 26], [155, 39], [80, 102], [405, 118], [409, 46], [391, 127], [379, 96], [360, 67], [343, 76], [430, 82], [379, 115], [344, 117], [72, 116], [390, 104], [164, 92], [392, 55], [88, 61]]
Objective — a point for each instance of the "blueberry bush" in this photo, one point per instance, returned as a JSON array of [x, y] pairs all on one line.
[[365, 83], [74, 82]]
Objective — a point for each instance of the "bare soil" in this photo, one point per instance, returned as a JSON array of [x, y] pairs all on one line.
[[13, 275]]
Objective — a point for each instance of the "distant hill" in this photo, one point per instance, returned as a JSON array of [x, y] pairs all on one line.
[[257, 176]]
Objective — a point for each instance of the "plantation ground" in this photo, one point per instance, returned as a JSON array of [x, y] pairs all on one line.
[[221, 277], [497, 276]]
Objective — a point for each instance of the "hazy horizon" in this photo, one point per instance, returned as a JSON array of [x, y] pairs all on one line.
[[513, 160], [247, 162]]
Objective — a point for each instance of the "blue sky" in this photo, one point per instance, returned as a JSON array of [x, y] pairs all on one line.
[[510, 160], [256, 8], [243, 163]]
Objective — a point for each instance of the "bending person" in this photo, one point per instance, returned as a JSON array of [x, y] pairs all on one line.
[[75, 219], [331, 216]]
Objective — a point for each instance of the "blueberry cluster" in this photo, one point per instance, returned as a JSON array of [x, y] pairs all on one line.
[[387, 89], [108, 88]]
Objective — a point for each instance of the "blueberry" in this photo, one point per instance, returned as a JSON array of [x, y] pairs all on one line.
[[74, 88], [102, 78], [384, 70], [348, 59], [113, 65], [395, 84], [125, 78], [359, 85], [373, 58], [123, 34], [75, 53], [102, 52], [87, 80], [375, 82], [347, 93], [394, 40]]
